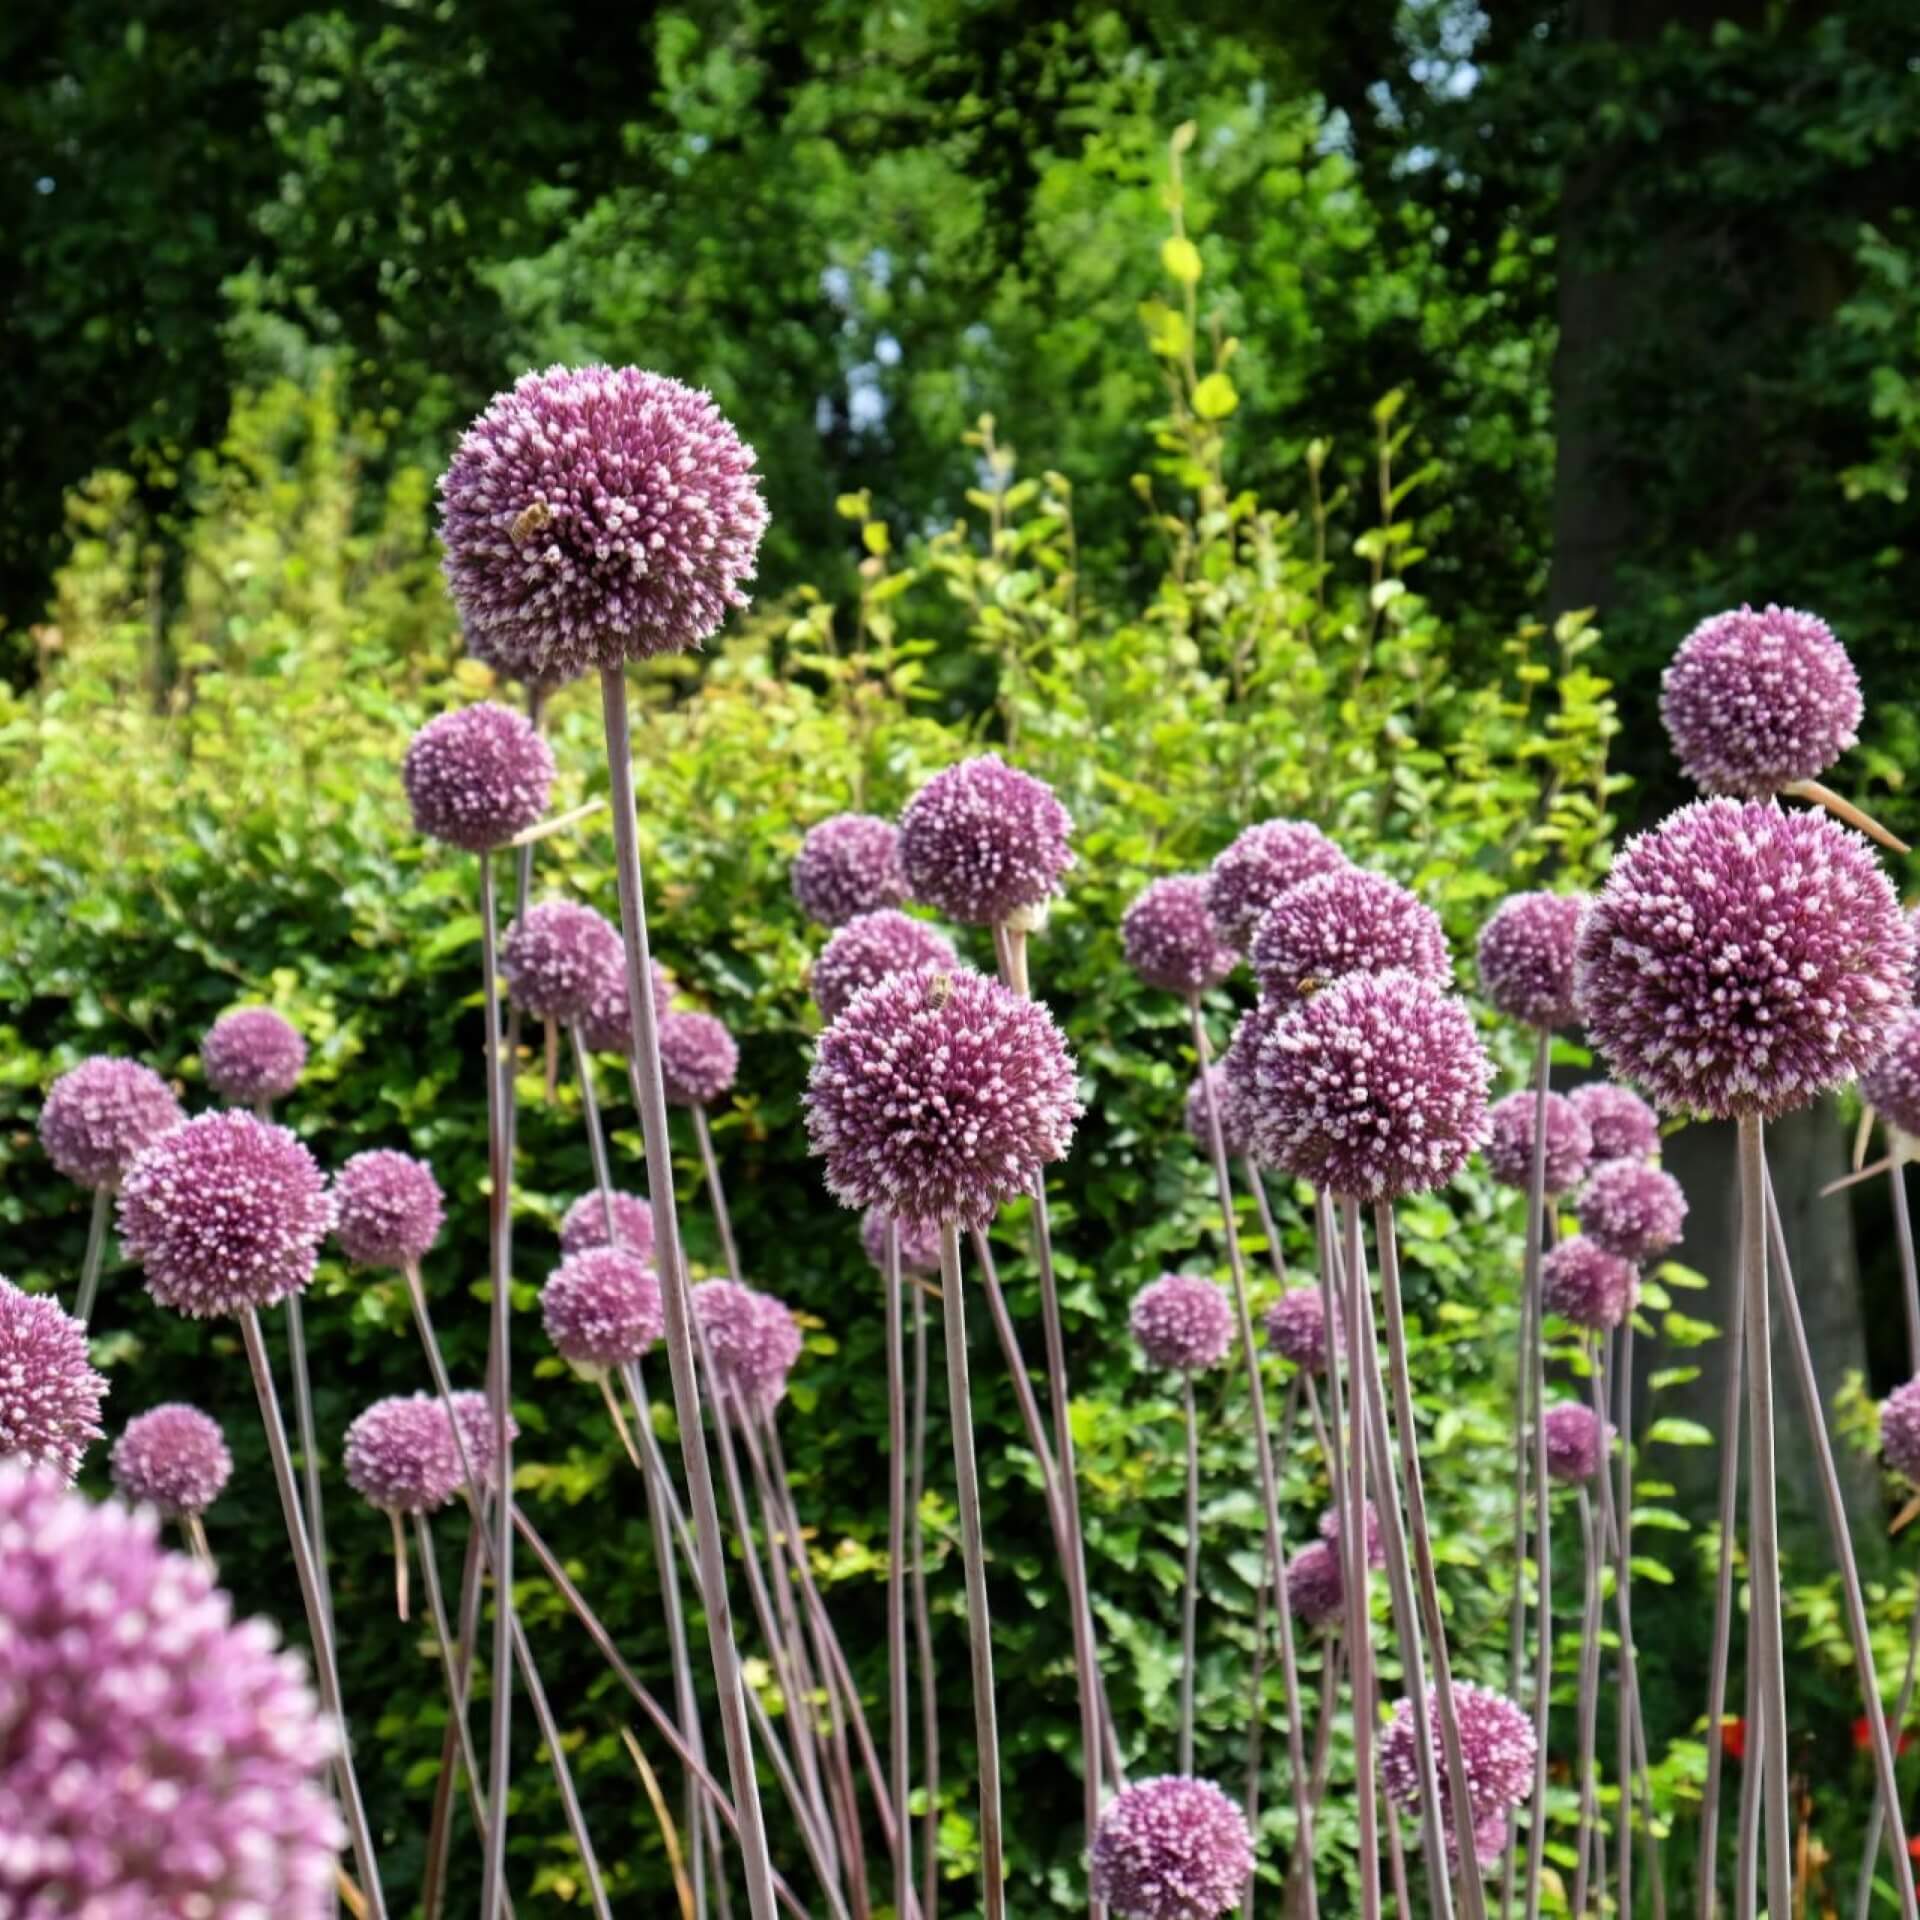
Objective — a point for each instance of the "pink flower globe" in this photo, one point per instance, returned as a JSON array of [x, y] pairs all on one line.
[[1171, 1848], [50, 1394], [1376, 1540], [984, 843], [584, 1224], [1510, 1147], [1341, 922], [847, 866], [1623, 1126], [602, 1309], [1316, 1585], [473, 1440], [1170, 939], [1527, 958], [753, 1341], [477, 776], [698, 1059], [1577, 1442], [1252, 874], [1496, 1740], [919, 1241], [873, 947], [1296, 1327], [388, 1209], [1182, 1322], [1585, 1284], [607, 1024], [1891, 1086], [100, 1114], [1235, 1135], [1633, 1210], [253, 1055], [173, 1458], [557, 956], [400, 1455], [1900, 1431]]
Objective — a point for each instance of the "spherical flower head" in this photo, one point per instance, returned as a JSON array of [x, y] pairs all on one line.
[[1341, 922], [752, 1340], [985, 843], [1170, 939], [607, 1024], [477, 776], [1633, 1210], [1171, 1848], [1496, 1742], [584, 1224], [602, 1309], [1755, 701], [1376, 1541], [1510, 1145], [160, 1758], [1490, 1840], [473, 1415], [253, 1055], [873, 947], [1183, 1322], [1230, 1110], [1891, 1086], [1316, 1585], [1623, 1126], [556, 958], [1526, 958], [698, 1059], [919, 1241], [1900, 1431], [1296, 1327], [1261, 865], [594, 515], [387, 1208], [100, 1114], [226, 1213], [1585, 1284], [1744, 960], [400, 1455], [939, 1096], [1577, 1442], [848, 866], [1374, 1088], [173, 1458], [49, 1393]]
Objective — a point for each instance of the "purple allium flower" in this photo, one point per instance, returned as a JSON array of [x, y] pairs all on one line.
[[477, 776], [1526, 957], [1743, 959], [1183, 1322], [1623, 1126], [1376, 1541], [1584, 1283], [752, 1341], [1228, 1107], [1373, 1089], [387, 1208], [1170, 1848], [873, 947], [1497, 1744], [49, 1393], [159, 1758], [1490, 1840], [474, 1417], [585, 1223], [1891, 1086], [557, 957], [602, 1309], [226, 1213], [1632, 1209], [400, 1456], [99, 1114], [1900, 1431], [607, 1024], [939, 1096], [173, 1458], [984, 842], [1296, 1327], [1345, 921], [1170, 939], [1577, 1441], [1755, 701], [919, 1241], [847, 866], [595, 515], [1259, 867], [252, 1055], [1510, 1146], [1317, 1584], [698, 1059]]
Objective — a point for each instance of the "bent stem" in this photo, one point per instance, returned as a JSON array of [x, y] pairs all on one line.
[[1190, 1600], [923, 1626], [95, 1257]]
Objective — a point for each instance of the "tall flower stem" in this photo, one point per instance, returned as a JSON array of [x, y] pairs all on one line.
[[1746, 1841], [433, 1877], [717, 1195], [1589, 1711], [758, 1867], [923, 1625], [1269, 1227], [1623, 1601], [308, 1431], [195, 1530], [1533, 1357], [1263, 1452], [1274, 1587], [1332, 1664], [1903, 1239], [898, 1730], [95, 1257], [1190, 1599], [326, 1671], [1353, 1550], [1863, 1889]]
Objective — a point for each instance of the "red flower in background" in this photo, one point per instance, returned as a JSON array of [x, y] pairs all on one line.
[[1733, 1738], [1863, 1736]]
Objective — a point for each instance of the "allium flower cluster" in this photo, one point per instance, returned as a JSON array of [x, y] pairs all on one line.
[[557, 957], [698, 1059], [847, 866], [871, 948], [607, 1024], [387, 1208], [919, 1241], [400, 1455], [477, 776], [1262, 864], [1170, 939], [1296, 1327], [939, 1096], [1900, 1431], [1755, 701], [1183, 1322], [1341, 922], [1577, 1441], [1623, 1126], [1489, 1844], [602, 1309], [752, 1341], [1632, 1209], [50, 1394], [1497, 1744], [1373, 1089], [253, 1055], [160, 1758], [226, 1213], [595, 515], [1229, 1109], [985, 843], [173, 1458], [1891, 1086], [100, 1114], [1316, 1585], [1744, 960], [1510, 1145], [1526, 958], [1585, 1284], [584, 1224], [1171, 1848], [1376, 1541], [473, 1417]]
